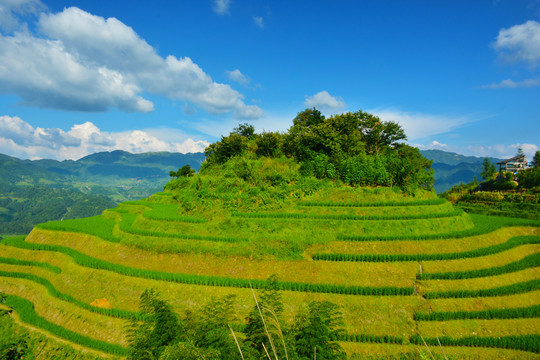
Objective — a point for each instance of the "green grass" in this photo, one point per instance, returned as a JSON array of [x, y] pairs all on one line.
[[343, 217], [521, 342], [88, 261], [25, 310], [124, 314], [530, 261], [489, 250], [513, 313], [483, 224], [437, 201], [95, 225], [517, 288]]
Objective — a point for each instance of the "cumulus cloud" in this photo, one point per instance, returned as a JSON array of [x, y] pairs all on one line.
[[89, 63], [259, 21], [238, 77], [10, 10], [520, 42], [324, 101], [420, 125], [509, 83], [221, 7], [20, 139]]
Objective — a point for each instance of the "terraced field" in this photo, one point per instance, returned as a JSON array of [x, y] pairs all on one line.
[[399, 267]]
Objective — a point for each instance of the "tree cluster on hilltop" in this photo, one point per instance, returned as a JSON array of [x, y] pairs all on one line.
[[357, 148]]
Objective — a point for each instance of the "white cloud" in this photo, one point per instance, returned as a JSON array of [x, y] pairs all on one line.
[[10, 10], [221, 7], [420, 125], [20, 139], [509, 83], [324, 101], [259, 21], [238, 77], [520, 42], [89, 63]]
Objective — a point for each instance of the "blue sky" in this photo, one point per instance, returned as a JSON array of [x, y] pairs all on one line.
[[78, 77]]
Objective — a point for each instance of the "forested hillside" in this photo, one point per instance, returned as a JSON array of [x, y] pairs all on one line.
[[37, 191]]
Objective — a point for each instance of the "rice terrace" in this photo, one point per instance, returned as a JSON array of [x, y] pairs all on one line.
[[351, 228]]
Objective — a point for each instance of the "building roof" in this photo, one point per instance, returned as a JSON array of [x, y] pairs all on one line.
[[518, 158]]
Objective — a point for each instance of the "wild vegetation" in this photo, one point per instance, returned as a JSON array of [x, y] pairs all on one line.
[[362, 269]]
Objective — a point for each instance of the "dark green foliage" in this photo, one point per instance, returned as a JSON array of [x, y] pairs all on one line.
[[209, 327], [366, 338], [269, 144], [494, 249], [88, 261], [228, 147], [187, 351], [527, 262], [518, 288], [246, 130], [27, 314], [26, 206], [519, 342], [14, 342], [488, 169], [530, 178], [513, 313], [160, 328], [536, 159], [316, 331], [184, 171]]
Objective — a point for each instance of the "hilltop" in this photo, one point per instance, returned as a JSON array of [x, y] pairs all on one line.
[[398, 261]]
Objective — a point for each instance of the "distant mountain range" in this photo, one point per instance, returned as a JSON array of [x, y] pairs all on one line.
[[452, 169], [35, 191], [117, 174]]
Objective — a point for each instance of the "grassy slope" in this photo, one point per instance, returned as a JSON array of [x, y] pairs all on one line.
[[192, 229]]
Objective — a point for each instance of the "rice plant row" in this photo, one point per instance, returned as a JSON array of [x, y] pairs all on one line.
[[515, 313], [529, 343], [438, 201], [123, 314], [517, 288], [511, 243], [530, 261], [365, 338], [207, 280], [95, 225], [482, 225], [343, 217], [126, 225], [27, 314], [46, 266]]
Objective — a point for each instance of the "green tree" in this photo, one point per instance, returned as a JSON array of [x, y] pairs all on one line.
[[229, 146], [209, 327], [317, 331], [246, 130], [488, 169], [270, 307], [536, 160], [268, 144], [378, 134], [15, 342], [160, 328], [520, 152]]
